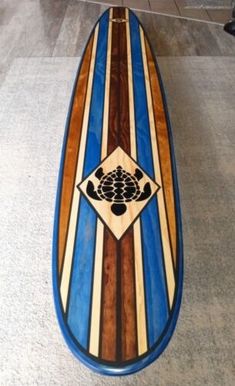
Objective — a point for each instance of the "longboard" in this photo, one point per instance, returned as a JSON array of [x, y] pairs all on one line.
[[117, 249]]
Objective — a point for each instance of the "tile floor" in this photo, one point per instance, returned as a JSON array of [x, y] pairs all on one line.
[[218, 11]]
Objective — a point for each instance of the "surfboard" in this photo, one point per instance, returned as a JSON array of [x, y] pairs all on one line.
[[117, 249]]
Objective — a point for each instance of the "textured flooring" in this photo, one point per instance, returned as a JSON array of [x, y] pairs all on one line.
[[40, 47], [218, 11]]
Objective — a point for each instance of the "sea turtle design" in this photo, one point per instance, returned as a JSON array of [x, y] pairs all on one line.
[[119, 187]]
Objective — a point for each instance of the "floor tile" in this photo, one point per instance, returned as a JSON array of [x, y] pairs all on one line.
[[200, 13], [137, 4], [78, 22], [168, 7], [111, 2], [220, 16], [172, 36], [203, 3]]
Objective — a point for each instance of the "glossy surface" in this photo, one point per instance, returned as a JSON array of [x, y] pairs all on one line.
[[118, 269]]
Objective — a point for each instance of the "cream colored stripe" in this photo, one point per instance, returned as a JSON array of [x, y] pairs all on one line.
[[161, 204], [130, 89], [65, 278], [97, 279], [96, 293], [107, 91], [140, 297], [139, 276]]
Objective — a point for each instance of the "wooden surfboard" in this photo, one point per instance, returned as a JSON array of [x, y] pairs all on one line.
[[117, 250]]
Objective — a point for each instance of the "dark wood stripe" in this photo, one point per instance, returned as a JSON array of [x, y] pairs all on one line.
[[70, 162], [108, 326], [127, 271], [164, 149], [121, 277], [128, 311], [108, 300], [124, 121], [114, 88]]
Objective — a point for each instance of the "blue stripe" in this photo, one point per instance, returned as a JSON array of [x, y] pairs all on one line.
[[93, 147], [154, 277], [79, 302], [81, 283]]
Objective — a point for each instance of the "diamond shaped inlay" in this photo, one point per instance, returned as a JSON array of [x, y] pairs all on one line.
[[118, 190]]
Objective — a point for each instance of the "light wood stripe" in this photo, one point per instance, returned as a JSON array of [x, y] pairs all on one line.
[[131, 92], [66, 273], [96, 295], [160, 197], [140, 293], [104, 147], [97, 278], [139, 276]]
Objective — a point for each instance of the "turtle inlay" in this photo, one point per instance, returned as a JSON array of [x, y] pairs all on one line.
[[118, 186], [118, 189]]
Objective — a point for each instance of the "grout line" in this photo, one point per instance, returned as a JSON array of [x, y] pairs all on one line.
[[158, 13], [79, 58], [208, 15], [218, 7], [178, 8]]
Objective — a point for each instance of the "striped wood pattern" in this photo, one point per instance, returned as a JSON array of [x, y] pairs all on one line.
[[117, 294], [72, 150]]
